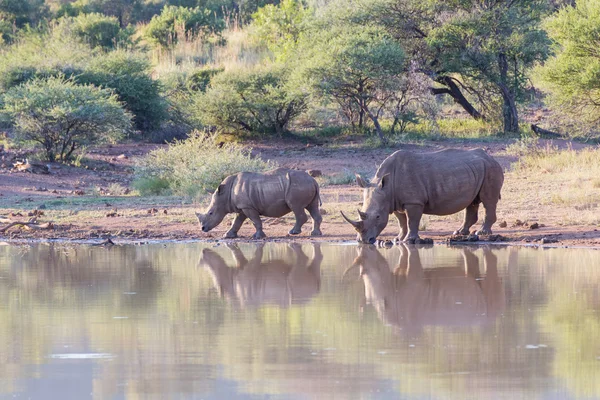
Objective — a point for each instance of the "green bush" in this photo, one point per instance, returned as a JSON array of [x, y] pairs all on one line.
[[175, 23], [63, 116], [188, 167], [58, 54], [129, 75], [98, 30], [260, 100]]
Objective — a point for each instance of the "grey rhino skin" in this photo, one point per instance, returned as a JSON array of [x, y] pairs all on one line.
[[444, 182], [281, 281], [272, 194], [412, 297]]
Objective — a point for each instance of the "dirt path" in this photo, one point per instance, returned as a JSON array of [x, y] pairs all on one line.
[[81, 202]]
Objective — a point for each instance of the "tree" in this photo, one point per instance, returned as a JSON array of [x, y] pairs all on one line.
[[165, 29], [98, 30], [359, 68], [573, 73], [279, 26], [128, 74], [481, 48], [22, 12], [260, 100], [63, 116]]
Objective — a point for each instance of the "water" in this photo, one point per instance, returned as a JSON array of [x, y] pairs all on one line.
[[298, 322]]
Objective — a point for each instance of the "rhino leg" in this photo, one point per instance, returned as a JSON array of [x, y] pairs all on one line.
[[470, 219], [414, 212], [490, 218], [403, 224], [255, 218], [301, 219], [315, 214], [235, 226]]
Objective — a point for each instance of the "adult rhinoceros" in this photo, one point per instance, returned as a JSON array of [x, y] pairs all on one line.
[[440, 183], [272, 194]]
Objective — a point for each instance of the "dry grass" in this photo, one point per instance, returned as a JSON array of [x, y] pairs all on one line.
[[550, 184], [236, 50]]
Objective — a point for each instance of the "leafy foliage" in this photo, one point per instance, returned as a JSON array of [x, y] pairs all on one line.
[[62, 116], [188, 167], [129, 75], [359, 69], [98, 30], [174, 23], [255, 101], [573, 73], [279, 26]]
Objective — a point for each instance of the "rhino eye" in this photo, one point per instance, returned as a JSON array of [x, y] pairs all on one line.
[[211, 213], [377, 217]]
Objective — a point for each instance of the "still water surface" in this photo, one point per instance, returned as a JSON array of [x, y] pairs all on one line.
[[298, 322]]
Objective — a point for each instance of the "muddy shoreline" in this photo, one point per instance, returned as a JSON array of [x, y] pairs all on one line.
[[82, 207]]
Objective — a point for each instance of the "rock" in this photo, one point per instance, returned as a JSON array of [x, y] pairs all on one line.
[[503, 224], [41, 207], [314, 172], [165, 211], [535, 225], [497, 238], [424, 241], [323, 211], [472, 238], [122, 157], [546, 240]]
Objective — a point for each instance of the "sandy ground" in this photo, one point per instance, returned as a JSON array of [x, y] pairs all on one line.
[[80, 205]]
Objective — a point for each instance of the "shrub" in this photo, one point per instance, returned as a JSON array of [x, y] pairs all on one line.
[[129, 75], [251, 101], [97, 30], [56, 54], [166, 28], [63, 116], [188, 167]]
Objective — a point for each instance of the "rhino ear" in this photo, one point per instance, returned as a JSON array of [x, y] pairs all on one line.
[[220, 189], [361, 182], [385, 180], [200, 216], [362, 215]]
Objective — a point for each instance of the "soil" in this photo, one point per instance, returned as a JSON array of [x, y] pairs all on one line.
[[79, 203]]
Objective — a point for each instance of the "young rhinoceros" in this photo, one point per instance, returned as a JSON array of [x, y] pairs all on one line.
[[440, 183], [272, 194]]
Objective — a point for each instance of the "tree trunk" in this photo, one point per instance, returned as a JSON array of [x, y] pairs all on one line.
[[509, 108], [452, 89]]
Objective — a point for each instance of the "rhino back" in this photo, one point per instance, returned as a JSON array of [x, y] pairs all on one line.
[[264, 193], [444, 182]]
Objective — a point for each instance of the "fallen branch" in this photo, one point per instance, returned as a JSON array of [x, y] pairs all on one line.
[[544, 132], [28, 225]]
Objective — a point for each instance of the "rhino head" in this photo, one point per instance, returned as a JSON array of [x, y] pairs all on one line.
[[217, 209], [375, 213]]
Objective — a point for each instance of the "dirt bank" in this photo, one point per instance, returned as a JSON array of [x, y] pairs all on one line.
[[94, 201]]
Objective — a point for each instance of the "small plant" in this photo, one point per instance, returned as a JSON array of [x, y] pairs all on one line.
[[63, 117], [341, 178], [525, 146], [189, 167]]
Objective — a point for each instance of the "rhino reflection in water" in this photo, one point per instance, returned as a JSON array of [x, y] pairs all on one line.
[[412, 297], [282, 282]]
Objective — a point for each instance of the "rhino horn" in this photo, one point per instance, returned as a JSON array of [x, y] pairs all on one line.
[[361, 182], [356, 224], [362, 215]]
